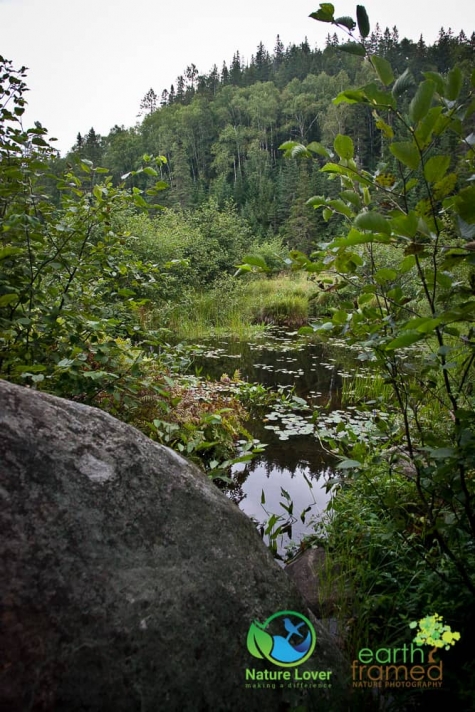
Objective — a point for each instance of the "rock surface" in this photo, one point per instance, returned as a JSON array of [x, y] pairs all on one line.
[[310, 571], [128, 580]]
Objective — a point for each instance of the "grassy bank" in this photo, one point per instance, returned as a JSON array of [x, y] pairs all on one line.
[[242, 307]]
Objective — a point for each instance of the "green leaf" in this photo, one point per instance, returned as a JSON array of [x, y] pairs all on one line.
[[351, 96], [351, 196], [407, 264], [378, 97], [406, 152], [454, 84], [316, 147], [363, 20], [427, 126], [410, 185], [140, 202], [6, 299], [346, 21], [353, 48], [353, 238], [32, 368], [342, 170], [349, 464], [365, 299], [423, 324], [466, 231], [37, 141], [465, 204], [436, 167], [97, 375], [405, 339], [405, 225], [373, 221], [287, 145], [10, 252], [403, 83], [340, 317], [384, 127], [383, 69], [438, 81], [421, 103], [65, 363], [300, 151], [316, 201], [259, 642], [340, 207], [256, 261], [343, 145], [325, 13], [385, 275]]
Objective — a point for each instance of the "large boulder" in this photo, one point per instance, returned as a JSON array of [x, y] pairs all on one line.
[[128, 580]]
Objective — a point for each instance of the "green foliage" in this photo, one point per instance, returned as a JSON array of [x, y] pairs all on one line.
[[404, 250], [220, 132], [68, 286], [192, 248], [75, 289]]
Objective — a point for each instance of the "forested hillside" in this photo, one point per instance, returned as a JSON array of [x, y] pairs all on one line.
[[220, 132]]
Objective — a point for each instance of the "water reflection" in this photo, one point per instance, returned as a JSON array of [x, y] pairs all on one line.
[[299, 467]]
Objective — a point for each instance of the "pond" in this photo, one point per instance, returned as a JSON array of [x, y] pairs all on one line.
[[283, 488]]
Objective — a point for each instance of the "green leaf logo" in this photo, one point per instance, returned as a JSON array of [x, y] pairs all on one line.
[[259, 643]]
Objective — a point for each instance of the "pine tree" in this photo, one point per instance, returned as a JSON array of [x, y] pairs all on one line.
[[180, 89], [148, 104], [224, 74], [191, 74], [235, 70], [92, 147], [263, 64], [278, 53], [213, 80]]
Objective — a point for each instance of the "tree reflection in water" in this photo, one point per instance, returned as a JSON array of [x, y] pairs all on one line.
[[290, 473]]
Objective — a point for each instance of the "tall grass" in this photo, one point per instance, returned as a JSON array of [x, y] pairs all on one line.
[[242, 308], [366, 386]]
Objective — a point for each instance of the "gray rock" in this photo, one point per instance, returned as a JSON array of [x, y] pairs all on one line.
[[320, 581], [128, 580]]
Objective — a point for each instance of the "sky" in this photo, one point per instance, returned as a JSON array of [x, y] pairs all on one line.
[[91, 62]]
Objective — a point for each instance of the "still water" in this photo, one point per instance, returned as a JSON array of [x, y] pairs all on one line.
[[291, 473]]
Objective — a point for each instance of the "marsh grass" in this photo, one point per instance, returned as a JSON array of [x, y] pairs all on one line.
[[366, 387], [242, 308]]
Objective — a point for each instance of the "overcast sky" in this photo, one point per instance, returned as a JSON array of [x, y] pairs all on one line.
[[91, 62]]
